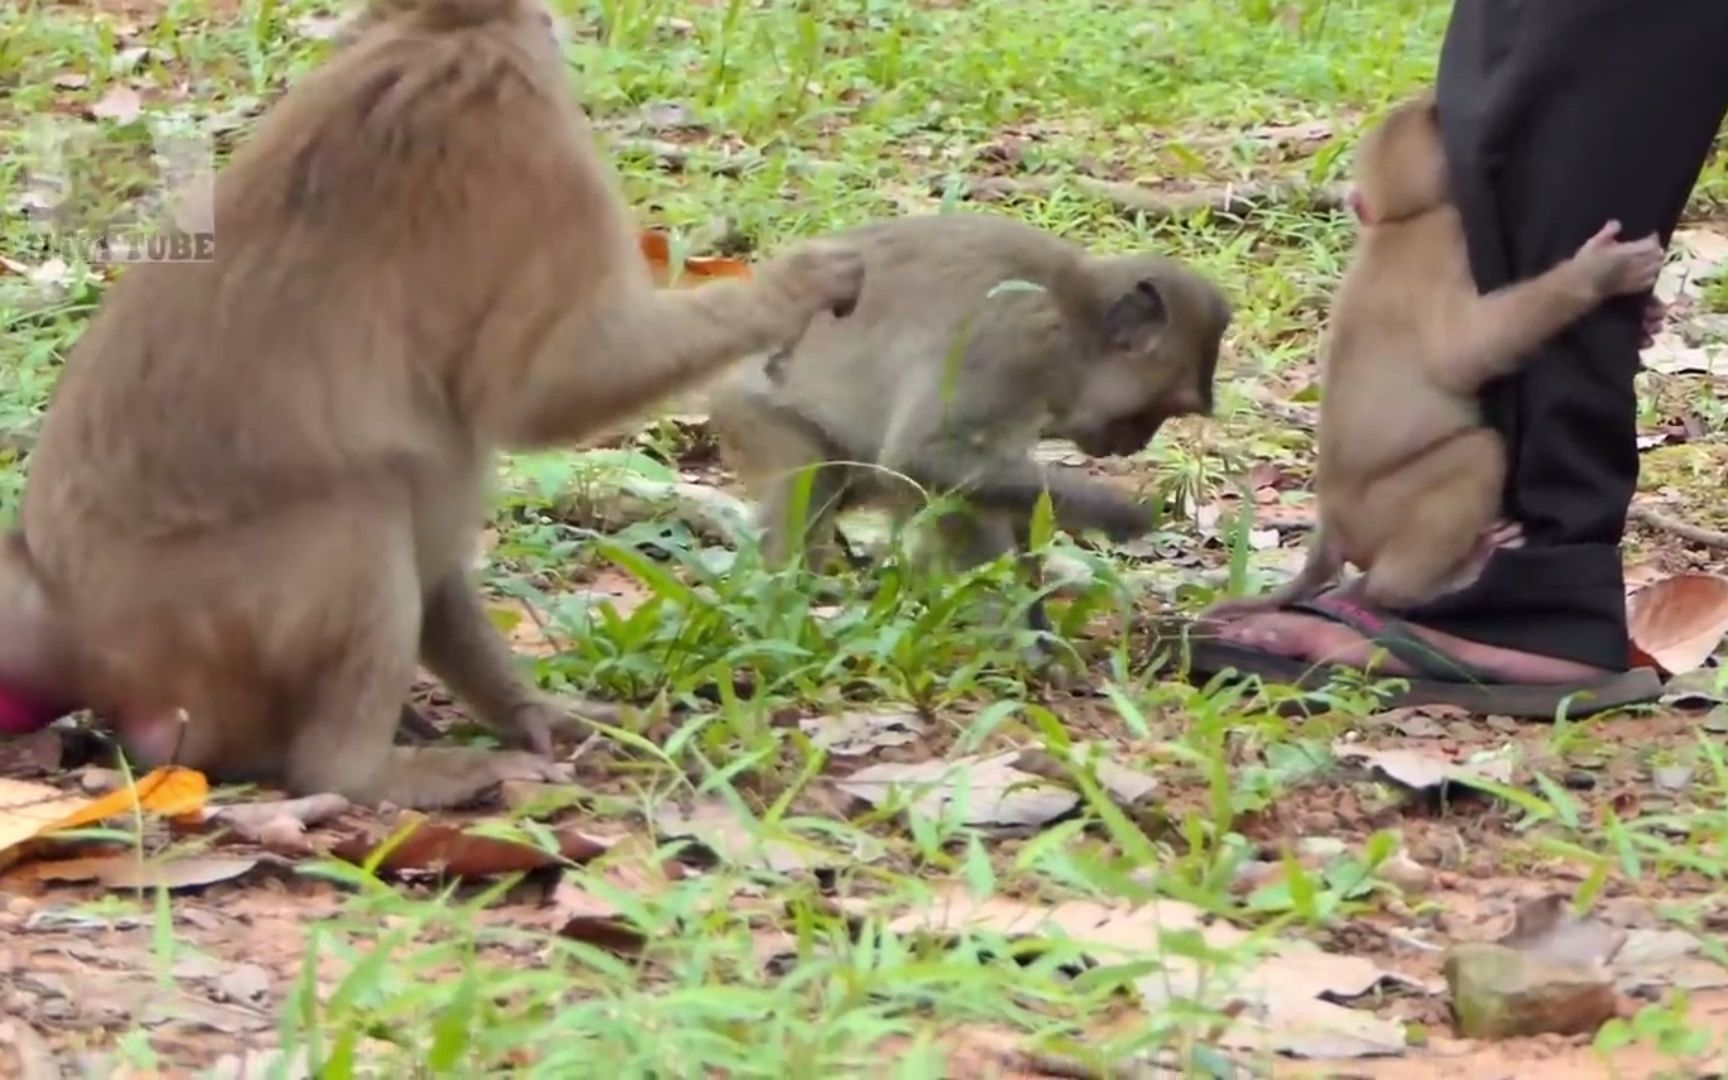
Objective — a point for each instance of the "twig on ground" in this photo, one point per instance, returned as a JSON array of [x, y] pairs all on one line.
[[1696, 534], [1233, 199]]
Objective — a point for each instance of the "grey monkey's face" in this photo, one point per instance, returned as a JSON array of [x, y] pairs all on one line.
[[1122, 436], [1162, 337]]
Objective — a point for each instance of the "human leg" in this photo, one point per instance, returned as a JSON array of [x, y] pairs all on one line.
[[1557, 117]]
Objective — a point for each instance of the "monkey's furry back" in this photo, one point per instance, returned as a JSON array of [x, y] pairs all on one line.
[[902, 346], [323, 335]]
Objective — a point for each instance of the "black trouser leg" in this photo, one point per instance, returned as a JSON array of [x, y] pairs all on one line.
[[1560, 115]]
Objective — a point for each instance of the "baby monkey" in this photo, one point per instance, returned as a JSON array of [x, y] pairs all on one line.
[[1409, 481], [974, 336]]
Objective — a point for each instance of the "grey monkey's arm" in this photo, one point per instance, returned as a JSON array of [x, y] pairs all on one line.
[[1015, 484]]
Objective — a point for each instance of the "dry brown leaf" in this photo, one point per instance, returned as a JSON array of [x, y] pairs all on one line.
[[1695, 255], [1426, 770], [584, 917], [991, 790], [1659, 959], [734, 840], [28, 811], [855, 734], [1283, 991], [1670, 354], [124, 870], [120, 104], [1108, 930], [1677, 623], [1283, 1002], [1308, 1027], [442, 848]]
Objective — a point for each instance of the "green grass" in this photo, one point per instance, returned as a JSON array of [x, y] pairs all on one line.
[[813, 116]]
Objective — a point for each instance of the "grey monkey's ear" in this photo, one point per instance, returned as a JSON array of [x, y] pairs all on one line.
[[1137, 316]]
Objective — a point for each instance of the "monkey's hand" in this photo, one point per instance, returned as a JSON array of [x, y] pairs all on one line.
[[816, 276], [537, 723], [1615, 267], [1082, 505]]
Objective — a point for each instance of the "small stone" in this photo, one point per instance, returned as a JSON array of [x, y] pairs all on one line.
[[1672, 777], [1321, 848], [1254, 875], [1406, 873], [1501, 993]]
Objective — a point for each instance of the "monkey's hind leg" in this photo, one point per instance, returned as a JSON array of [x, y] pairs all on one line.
[[819, 543], [1446, 503], [347, 709], [974, 536]]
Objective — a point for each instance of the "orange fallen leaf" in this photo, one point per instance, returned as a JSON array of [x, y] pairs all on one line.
[[1677, 623], [29, 811], [657, 249], [171, 791]]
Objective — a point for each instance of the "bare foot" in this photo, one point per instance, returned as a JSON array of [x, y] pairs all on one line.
[[1321, 641]]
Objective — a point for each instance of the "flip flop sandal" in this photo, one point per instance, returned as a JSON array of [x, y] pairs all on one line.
[[1437, 679]]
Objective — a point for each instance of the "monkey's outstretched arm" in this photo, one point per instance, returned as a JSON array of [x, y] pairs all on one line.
[[1493, 333], [1016, 483], [653, 342], [1497, 331]]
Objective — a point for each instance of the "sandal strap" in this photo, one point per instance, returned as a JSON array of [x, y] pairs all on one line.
[[1400, 641]]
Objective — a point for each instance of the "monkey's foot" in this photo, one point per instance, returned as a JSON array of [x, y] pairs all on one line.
[[1500, 535], [1306, 644]]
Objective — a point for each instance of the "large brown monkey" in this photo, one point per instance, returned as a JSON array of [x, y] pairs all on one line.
[[1409, 481], [260, 477], [974, 335]]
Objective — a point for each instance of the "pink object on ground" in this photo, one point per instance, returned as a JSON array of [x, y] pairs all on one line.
[[20, 715]]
